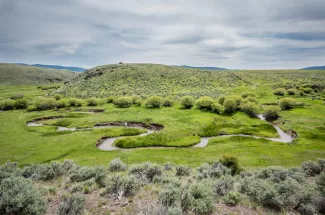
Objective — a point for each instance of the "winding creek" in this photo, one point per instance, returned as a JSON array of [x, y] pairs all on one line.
[[107, 143]]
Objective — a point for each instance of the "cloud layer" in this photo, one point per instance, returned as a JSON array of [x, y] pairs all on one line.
[[243, 34]]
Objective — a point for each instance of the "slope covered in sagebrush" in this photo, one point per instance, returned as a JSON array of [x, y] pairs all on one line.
[[12, 74], [154, 79]]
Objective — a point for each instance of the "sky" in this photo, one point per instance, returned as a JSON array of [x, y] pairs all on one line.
[[235, 34]]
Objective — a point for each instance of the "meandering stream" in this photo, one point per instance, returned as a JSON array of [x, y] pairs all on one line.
[[107, 143]]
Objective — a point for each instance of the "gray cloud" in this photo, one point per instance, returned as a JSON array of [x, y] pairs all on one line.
[[241, 34]]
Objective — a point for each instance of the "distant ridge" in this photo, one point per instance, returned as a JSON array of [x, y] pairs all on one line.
[[71, 68], [314, 68], [204, 67]]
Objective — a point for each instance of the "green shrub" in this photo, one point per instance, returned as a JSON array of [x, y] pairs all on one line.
[[44, 103], [74, 102], [168, 102], [217, 108], [135, 98], [138, 102], [187, 102], [250, 108], [117, 165], [307, 90], [221, 100], [146, 171], [92, 102], [175, 211], [247, 94], [271, 113], [123, 102], [230, 105], [57, 97], [72, 205], [182, 170], [230, 162], [18, 196], [110, 99], [61, 104], [21, 103], [153, 102], [232, 198], [204, 102], [17, 96], [287, 103], [251, 99], [7, 105], [292, 91], [9, 169], [279, 92]]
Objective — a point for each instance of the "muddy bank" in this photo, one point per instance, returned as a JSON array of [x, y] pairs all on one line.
[[43, 118]]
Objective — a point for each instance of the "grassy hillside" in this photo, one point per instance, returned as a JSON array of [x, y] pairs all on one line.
[[12, 74], [153, 79]]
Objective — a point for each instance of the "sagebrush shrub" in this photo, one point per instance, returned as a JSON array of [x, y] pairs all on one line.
[[126, 184], [232, 198], [213, 171], [279, 92], [187, 102], [170, 195], [311, 168], [182, 170], [18, 196], [72, 205], [204, 102], [117, 165], [321, 183], [202, 199], [154, 102], [231, 162], [9, 169], [223, 185], [123, 102], [146, 171], [287, 103], [85, 173]]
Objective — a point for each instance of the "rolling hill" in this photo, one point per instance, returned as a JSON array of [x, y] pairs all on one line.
[[155, 79], [71, 68], [22, 74], [314, 68]]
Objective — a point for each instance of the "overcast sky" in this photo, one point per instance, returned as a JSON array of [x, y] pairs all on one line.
[[241, 34]]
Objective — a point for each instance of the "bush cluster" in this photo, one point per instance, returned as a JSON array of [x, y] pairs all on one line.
[[279, 92], [250, 108], [271, 113], [154, 102], [187, 102], [204, 102], [287, 103], [123, 102], [145, 172]]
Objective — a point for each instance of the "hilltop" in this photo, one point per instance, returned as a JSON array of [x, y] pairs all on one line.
[[204, 67], [24, 74], [155, 79]]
